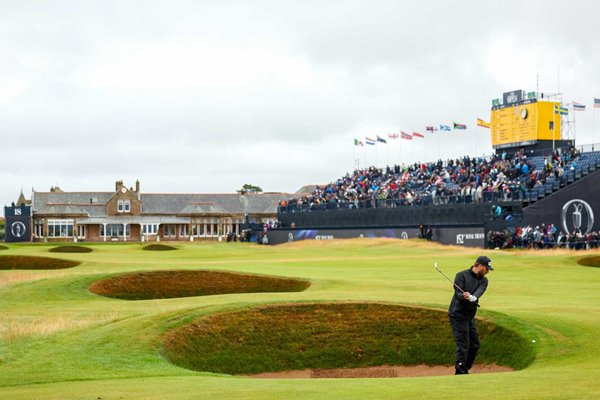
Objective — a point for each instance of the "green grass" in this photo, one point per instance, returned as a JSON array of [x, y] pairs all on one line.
[[181, 283], [60, 341], [3, 247], [158, 247], [330, 335], [590, 261], [32, 262], [70, 249]]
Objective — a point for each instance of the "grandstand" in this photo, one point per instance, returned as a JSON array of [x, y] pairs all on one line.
[[461, 200]]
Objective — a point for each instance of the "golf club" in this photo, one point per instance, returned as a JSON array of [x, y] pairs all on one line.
[[450, 280]]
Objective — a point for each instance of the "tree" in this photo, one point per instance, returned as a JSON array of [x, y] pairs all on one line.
[[247, 188]]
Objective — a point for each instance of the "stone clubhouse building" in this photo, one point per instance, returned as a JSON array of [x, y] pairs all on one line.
[[127, 214]]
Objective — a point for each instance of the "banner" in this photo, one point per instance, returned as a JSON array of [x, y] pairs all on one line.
[[18, 224]]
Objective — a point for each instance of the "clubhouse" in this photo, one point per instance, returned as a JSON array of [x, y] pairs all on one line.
[[127, 214]]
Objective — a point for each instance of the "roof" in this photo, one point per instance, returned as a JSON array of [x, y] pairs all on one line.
[[93, 204]]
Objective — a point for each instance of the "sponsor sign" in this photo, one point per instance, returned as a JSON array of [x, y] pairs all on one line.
[[516, 96]]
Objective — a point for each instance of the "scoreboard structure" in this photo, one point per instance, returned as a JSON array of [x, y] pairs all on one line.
[[520, 121]]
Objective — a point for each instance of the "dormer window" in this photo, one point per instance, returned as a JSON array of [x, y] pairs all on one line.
[[124, 206]]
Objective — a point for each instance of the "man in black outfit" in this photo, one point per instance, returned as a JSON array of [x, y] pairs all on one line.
[[463, 307]]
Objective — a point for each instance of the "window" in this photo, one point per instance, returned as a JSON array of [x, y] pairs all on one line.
[[127, 206], [168, 230], [39, 229], [150, 229], [183, 230], [81, 231], [114, 230], [120, 206], [60, 228]]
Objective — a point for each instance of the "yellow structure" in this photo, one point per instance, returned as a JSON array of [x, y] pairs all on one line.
[[525, 123]]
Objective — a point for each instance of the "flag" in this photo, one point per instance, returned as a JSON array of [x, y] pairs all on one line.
[[444, 128], [393, 136], [459, 126], [417, 134], [578, 107], [358, 142], [405, 135], [596, 103], [481, 122], [431, 128], [380, 139], [560, 110], [370, 141]]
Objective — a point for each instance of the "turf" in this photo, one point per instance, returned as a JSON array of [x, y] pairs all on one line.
[[330, 335], [70, 249], [59, 341], [32, 262], [590, 261], [159, 247], [3, 247], [182, 283]]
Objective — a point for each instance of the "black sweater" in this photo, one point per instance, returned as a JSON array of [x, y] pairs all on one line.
[[468, 281]]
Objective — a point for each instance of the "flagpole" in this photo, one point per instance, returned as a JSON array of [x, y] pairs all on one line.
[[387, 153], [594, 125]]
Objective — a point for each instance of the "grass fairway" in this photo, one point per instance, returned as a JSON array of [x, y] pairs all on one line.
[[59, 341]]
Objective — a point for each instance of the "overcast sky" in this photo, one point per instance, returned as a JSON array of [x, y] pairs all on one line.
[[204, 96]]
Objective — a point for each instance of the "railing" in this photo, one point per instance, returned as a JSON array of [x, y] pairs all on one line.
[[423, 200], [530, 243]]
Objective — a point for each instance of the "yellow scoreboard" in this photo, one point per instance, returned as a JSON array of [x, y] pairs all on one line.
[[525, 123]]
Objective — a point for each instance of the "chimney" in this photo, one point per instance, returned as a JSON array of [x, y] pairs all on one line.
[[118, 185], [137, 186]]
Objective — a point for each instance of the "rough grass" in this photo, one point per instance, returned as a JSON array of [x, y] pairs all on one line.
[[33, 262], [330, 335], [3, 247], [159, 247], [183, 283], [70, 249], [590, 261]]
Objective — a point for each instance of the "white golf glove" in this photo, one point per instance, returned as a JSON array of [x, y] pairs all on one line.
[[472, 299]]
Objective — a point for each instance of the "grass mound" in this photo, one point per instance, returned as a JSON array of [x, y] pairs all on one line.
[[591, 261], [181, 283], [30, 262], [70, 249], [158, 247], [335, 335], [3, 247]]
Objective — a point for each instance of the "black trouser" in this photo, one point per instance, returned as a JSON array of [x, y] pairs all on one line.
[[467, 343]]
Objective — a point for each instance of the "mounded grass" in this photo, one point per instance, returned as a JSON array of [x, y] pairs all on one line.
[[590, 261], [70, 249], [183, 283], [3, 247], [32, 262], [159, 247], [331, 335]]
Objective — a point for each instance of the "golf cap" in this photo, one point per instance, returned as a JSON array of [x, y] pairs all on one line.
[[485, 261]]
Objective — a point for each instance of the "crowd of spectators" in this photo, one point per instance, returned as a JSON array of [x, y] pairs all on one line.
[[465, 180], [542, 237]]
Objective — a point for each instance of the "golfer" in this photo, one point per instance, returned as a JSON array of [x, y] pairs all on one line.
[[469, 286]]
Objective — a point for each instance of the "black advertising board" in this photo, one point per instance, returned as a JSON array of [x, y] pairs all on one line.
[[570, 208], [18, 224], [460, 236], [514, 97]]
